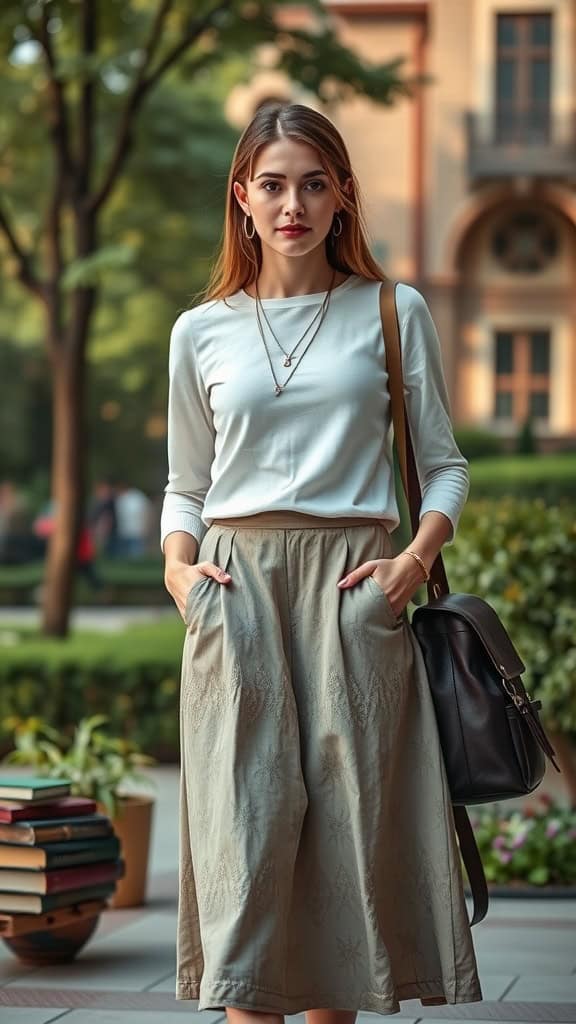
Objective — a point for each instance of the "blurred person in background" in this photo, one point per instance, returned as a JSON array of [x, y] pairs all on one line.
[[16, 538], [103, 519], [133, 513]]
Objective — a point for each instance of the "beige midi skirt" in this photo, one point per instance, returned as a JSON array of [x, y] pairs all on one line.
[[318, 861]]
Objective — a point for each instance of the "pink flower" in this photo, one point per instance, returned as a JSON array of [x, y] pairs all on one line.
[[498, 842], [518, 841], [552, 828], [504, 856]]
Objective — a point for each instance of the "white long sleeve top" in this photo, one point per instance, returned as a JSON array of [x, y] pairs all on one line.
[[324, 446]]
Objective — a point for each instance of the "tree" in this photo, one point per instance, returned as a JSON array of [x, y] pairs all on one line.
[[78, 75]]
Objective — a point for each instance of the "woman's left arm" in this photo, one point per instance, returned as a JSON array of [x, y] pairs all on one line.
[[442, 469]]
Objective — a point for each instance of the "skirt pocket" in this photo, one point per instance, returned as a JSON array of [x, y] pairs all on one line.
[[376, 589], [216, 547]]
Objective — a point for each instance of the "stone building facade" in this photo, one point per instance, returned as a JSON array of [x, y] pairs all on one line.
[[470, 191]]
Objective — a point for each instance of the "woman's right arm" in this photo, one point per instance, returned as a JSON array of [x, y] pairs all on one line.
[[190, 453]]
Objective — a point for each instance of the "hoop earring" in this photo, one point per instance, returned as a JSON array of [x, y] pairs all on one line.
[[338, 225], [246, 218]]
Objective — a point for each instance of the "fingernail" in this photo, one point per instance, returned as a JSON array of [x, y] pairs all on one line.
[[224, 575], [341, 582]]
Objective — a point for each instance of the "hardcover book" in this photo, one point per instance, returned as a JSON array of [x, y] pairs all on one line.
[[13, 810], [53, 855], [54, 830], [28, 903], [32, 788], [59, 879]]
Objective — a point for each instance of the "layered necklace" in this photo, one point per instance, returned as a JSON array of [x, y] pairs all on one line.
[[319, 316]]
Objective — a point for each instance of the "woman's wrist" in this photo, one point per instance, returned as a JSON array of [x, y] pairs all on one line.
[[416, 566], [180, 549]]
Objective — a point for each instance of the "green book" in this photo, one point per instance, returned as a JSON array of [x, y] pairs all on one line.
[[32, 788]]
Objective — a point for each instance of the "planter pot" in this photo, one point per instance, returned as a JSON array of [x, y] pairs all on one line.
[[133, 826], [52, 945]]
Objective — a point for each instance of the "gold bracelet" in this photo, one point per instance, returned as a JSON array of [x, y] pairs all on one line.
[[420, 563]]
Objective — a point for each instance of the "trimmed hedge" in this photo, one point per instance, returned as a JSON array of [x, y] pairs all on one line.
[[123, 583], [550, 477], [133, 677]]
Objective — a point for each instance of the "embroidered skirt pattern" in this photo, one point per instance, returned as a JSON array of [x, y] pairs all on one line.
[[318, 860]]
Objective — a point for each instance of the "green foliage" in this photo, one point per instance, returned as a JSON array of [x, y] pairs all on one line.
[[535, 846], [132, 677], [97, 765], [93, 269], [550, 477], [521, 557], [526, 442], [477, 444]]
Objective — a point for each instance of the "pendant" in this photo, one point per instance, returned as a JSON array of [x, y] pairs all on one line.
[[288, 361], [277, 390]]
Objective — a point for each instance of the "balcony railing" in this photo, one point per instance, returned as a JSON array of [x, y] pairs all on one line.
[[530, 145]]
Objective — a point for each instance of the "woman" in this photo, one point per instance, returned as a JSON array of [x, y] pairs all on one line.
[[318, 866]]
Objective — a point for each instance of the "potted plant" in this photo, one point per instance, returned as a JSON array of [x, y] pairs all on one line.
[[528, 851], [98, 766]]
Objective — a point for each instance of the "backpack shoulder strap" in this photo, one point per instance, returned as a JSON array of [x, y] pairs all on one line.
[[407, 462], [438, 582]]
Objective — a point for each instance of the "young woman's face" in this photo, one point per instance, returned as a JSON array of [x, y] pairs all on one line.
[[289, 198]]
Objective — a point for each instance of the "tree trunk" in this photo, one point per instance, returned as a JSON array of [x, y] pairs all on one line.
[[68, 459], [566, 757], [67, 488]]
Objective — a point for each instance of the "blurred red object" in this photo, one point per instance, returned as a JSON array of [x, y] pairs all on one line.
[[85, 550]]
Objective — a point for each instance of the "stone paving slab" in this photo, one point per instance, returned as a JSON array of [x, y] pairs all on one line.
[[132, 958], [541, 961], [26, 1015], [135, 1017], [544, 989]]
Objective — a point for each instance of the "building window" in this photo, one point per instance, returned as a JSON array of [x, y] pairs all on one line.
[[525, 242], [523, 75], [522, 375]]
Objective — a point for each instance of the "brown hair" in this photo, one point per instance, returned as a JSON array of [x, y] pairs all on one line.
[[239, 259]]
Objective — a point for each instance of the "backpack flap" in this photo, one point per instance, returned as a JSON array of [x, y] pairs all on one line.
[[485, 623]]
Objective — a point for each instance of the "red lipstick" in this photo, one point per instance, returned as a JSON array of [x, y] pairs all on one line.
[[294, 230]]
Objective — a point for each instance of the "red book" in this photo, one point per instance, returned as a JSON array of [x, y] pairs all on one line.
[[14, 810], [59, 879]]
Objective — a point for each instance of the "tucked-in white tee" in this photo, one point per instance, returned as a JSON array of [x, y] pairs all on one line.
[[324, 445]]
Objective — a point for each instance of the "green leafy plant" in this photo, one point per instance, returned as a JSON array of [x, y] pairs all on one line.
[[97, 765], [535, 845], [521, 557]]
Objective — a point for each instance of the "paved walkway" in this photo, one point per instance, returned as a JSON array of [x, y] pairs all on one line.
[[125, 974], [107, 620]]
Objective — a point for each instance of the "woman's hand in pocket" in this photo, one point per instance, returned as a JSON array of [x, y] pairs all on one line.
[[399, 578], [180, 578]]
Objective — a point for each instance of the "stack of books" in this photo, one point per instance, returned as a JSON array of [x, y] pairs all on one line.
[[55, 850]]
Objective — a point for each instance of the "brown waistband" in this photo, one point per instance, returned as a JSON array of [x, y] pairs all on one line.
[[288, 519]]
